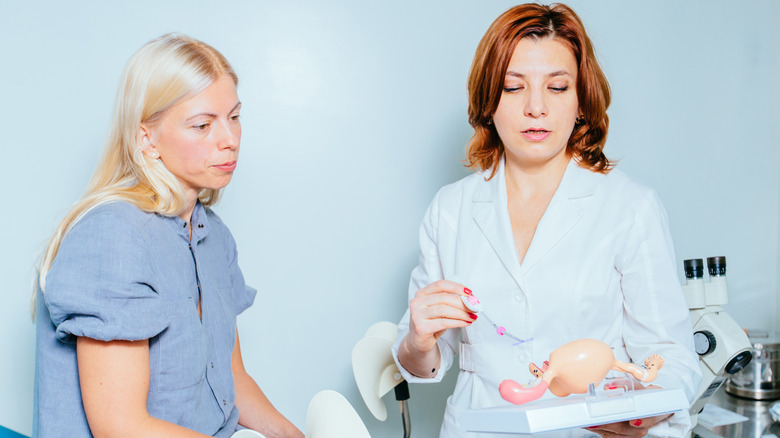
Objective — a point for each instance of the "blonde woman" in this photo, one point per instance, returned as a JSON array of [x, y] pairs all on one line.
[[139, 288]]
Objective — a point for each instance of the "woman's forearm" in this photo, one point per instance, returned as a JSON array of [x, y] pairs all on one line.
[[152, 428], [423, 364], [257, 413]]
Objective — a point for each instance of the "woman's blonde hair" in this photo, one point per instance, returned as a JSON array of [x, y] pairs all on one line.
[[162, 73]]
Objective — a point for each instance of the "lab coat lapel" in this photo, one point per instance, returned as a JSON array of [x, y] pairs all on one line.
[[492, 218], [562, 214]]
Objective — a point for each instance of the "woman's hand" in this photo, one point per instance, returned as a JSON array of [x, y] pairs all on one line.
[[631, 428], [434, 309]]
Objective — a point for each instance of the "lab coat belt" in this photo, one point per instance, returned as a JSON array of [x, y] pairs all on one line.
[[476, 358]]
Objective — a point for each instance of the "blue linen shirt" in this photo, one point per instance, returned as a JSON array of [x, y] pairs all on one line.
[[124, 274]]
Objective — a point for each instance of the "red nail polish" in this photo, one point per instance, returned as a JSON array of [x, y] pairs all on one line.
[[637, 423], [473, 316], [467, 291]]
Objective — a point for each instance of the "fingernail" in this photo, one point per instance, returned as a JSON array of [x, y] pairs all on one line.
[[637, 423], [473, 316], [591, 427], [467, 291]]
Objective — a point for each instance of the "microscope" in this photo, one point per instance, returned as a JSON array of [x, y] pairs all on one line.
[[722, 345]]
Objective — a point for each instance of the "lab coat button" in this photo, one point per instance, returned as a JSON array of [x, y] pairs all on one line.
[[519, 298]]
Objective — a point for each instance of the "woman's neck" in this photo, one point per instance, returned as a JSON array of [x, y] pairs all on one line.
[[526, 181]]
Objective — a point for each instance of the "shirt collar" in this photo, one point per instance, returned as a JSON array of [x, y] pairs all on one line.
[[200, 224]]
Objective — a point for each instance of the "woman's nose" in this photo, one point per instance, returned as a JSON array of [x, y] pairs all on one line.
[[230, 136], [536, 106]]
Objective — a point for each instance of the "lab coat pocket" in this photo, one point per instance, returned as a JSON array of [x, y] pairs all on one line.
[[451, 427], [183, 348]]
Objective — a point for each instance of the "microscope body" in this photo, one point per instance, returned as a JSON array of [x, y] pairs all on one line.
[[722, 345]]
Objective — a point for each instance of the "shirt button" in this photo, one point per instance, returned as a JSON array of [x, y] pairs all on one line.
[[185, 225], [212, 364], [200, 225], [519, 298], [224, 403]]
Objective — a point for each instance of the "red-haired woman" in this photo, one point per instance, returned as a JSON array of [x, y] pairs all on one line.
[[556, 244]]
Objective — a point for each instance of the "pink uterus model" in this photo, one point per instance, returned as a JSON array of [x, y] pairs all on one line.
[[572, 367]]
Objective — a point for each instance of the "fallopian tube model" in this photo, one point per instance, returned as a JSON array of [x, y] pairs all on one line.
[[572, 367]]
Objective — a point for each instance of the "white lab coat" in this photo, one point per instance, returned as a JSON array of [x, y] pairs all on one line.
[[601, 265]]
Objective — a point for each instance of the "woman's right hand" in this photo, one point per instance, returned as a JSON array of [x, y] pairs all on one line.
[[434, 309]]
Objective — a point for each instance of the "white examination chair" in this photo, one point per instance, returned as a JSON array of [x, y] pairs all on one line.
[[376, 373]]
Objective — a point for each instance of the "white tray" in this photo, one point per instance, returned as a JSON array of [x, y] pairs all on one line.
[[575, 411]]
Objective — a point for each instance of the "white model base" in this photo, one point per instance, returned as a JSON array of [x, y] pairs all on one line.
[[575, 411]]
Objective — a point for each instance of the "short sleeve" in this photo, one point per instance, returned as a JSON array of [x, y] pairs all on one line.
[[101, 282], [242, 295]]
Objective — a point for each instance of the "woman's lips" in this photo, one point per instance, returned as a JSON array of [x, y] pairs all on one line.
[[227, 167], [536, 134]]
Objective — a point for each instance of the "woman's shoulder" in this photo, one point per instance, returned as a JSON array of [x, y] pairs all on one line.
[[617, 179], [117, 213], [121, 220], [618, 184], [463, 188]]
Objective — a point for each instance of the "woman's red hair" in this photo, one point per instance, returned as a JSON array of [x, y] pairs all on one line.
[[486, 82]]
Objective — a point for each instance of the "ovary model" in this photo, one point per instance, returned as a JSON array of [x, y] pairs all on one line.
[[572, 367]]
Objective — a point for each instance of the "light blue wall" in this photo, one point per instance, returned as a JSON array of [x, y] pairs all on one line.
[[354, 115]]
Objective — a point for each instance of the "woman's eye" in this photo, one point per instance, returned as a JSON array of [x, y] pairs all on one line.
[[559, 89], [235, 117], [512, 89], [201, 127]]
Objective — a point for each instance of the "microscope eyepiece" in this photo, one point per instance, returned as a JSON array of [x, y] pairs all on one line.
[[694, 268], [716, 266], [738, 362]]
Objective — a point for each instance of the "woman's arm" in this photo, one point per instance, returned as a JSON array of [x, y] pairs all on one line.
[[434, 309], [255, 410], [114, 378], [657, 318]]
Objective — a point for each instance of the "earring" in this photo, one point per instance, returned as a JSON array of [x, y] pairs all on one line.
[[154, 155]]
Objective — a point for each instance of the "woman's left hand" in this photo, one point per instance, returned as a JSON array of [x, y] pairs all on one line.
[[633, 428]]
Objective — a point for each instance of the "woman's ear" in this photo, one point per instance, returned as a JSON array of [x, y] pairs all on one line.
[[145, 140]]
